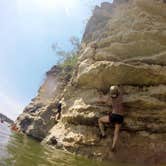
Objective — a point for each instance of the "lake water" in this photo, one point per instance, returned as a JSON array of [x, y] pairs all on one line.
[[19, 150]]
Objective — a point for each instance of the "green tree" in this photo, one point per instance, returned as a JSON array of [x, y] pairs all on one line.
[[68, 59], [67, 55]]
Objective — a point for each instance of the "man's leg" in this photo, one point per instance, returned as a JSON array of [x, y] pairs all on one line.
[[116, 135], [103, 120], [58, 116]]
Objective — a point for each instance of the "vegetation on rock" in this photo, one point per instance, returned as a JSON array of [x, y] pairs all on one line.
[[68, 59], [129, 50]]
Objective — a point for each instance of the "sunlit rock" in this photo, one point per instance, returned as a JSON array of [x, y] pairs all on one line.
[[124, 43]]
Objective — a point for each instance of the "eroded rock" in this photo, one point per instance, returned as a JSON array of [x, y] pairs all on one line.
[[124, 43]]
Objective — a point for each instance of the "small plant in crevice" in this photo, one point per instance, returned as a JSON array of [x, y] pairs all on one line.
[[67, 60]]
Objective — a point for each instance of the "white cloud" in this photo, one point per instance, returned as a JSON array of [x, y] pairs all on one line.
[[70, 6], [67, 11], [47, 6], [9, 106]]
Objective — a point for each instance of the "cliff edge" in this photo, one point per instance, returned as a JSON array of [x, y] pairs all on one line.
[[124, 44]]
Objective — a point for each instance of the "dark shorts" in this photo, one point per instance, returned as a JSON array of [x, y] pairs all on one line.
[[115, 118], [59, 111]]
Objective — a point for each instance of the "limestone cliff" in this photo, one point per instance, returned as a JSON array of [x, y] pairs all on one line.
[[36, 119], [6, 119], [124, 43]]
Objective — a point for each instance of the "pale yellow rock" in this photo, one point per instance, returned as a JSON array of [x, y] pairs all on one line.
[[124, 43], [103, 74]]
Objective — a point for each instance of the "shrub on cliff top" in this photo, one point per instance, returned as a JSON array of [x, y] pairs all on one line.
[[68, 59]]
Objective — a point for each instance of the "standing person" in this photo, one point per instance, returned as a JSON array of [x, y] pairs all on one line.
[[116, 116], [59, 110]]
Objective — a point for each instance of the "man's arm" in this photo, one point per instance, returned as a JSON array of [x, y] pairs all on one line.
[[104, 99], [109, 100]]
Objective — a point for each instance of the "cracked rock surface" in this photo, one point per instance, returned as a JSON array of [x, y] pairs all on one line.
[[124, 43]]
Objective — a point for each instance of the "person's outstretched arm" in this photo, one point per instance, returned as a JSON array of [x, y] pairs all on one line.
[[104, 99]]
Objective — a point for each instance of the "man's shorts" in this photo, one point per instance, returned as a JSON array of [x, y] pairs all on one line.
[[115, 118]]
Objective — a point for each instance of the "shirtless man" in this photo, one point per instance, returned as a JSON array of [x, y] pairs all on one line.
[[116, 117], [59, 110]]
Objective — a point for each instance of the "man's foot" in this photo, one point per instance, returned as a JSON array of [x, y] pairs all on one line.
[[113, 149]]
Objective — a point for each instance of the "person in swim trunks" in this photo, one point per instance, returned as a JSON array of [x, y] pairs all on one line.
[[59, 110], [116, 116], [57, 115]]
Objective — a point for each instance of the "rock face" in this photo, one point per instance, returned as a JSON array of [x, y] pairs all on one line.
[[124, 43], [37, 118], [6, 119]]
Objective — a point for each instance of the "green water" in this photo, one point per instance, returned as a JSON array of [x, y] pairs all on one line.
[[19, 150]]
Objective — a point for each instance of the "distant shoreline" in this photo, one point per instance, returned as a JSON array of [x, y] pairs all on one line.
[[5, 118]]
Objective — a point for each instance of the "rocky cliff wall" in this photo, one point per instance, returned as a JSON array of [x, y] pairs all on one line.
[[37, 118], [6, 119], [124, 44]]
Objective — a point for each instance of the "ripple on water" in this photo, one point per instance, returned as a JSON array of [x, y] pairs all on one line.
[[19, 150]]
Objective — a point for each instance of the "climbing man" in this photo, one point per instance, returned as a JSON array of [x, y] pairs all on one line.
[[59, 109], [116, 116]]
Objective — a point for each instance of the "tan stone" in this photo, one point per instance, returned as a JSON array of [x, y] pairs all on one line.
[[103, 74], [124, 43]]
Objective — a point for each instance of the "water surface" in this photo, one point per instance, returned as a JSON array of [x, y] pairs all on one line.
[[20, 150]]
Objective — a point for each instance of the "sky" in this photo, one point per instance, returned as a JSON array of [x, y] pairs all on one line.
[[28, 29]]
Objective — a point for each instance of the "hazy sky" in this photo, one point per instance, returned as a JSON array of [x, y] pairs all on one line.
[[28, 28]]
